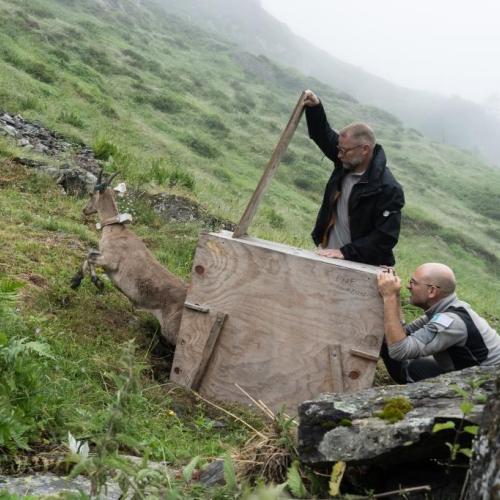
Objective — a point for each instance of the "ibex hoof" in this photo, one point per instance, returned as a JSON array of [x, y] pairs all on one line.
[[76, 280], [98, 283]]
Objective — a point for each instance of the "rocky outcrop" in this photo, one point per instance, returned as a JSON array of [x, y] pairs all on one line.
[[75, 168], [33, 136], [349, 427], [485, 468], [76, 178]]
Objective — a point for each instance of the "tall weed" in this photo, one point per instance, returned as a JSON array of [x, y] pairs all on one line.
[[24, 369]]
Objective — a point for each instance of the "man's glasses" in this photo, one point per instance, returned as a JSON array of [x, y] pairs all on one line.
[[414, 282], [344, 151]]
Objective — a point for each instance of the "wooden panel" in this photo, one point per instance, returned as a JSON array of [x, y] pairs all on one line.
[[285, 309]]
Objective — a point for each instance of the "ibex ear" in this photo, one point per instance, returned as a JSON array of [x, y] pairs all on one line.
[[121, 189]]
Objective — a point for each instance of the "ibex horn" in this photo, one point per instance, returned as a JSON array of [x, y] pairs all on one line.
[[99, 177], [112, 177]]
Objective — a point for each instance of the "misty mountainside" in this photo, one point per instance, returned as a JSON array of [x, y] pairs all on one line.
[[174, 107], [452, 120]]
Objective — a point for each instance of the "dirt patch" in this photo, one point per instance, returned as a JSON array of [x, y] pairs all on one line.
[[36, 279], [177, 208]]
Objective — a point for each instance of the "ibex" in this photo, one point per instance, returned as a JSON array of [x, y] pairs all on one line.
[[130, 265]]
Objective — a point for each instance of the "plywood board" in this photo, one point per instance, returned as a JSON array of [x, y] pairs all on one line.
[[287, 310]]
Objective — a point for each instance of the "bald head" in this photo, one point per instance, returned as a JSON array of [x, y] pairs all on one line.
[[359, 132], [439, 275]]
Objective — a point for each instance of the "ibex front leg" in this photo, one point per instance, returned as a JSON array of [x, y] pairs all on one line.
[[88, 266], [94, 258]]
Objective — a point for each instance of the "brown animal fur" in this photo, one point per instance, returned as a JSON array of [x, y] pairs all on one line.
[[132, 268]]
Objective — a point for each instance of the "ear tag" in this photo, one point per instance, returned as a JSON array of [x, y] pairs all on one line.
[[124, 218], [121, 189]]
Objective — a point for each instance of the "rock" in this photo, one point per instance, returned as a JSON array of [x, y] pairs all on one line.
[[176, 208], [485, 467], [213, 473], [76, 181], [6, 118], [40, 148], [345, 427], [50, 484], [9, 130]]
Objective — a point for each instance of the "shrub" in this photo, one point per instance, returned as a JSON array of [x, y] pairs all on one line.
[[108, 110], [244, 102], [172, 176], [159, 174], [178, 177], [23, 365], [201, 147], [39, 71], [29, 102], [303, 183], [289, 158], [215, 125], [71, 118], [275, 220], [104, 149], [223, 175]]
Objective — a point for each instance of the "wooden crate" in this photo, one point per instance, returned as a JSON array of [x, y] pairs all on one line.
[[283, 323]]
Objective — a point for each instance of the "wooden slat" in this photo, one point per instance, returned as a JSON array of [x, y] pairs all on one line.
[[270, 170], [363, 354], [208, 350], [335, 356], [196, 307]]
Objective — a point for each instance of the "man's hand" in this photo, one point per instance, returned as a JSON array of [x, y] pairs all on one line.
[[310, 98], [330, 252], [389, 285]]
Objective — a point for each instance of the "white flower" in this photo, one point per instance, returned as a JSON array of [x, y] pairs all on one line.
[[78, 447]]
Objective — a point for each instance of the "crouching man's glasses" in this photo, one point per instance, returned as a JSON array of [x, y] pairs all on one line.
[[414, 282]]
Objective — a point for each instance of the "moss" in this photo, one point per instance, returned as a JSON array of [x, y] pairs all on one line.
[[332, 424], [395, 409], [345, 422]]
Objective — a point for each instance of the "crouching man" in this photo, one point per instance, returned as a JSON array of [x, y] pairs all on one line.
[[449, 336]]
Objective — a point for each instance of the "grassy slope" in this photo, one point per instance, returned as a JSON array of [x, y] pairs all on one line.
[[169, 96]]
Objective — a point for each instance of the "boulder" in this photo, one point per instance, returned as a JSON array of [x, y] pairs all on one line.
[[349, 427]]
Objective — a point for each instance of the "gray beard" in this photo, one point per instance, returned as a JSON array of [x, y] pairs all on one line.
[[351, 165]]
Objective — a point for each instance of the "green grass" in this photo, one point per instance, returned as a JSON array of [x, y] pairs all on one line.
[[173, 108], [84, 329]]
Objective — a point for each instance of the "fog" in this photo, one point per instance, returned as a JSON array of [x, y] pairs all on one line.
[[444, 46]]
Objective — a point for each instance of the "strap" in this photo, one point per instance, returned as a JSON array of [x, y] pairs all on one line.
[[117, 219]]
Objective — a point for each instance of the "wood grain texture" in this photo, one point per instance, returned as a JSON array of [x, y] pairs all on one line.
[[285, 309]]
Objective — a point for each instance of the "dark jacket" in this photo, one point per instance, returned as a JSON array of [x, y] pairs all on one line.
[[374, 205]]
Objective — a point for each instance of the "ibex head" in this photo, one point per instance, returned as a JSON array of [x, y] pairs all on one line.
[[100, 189]]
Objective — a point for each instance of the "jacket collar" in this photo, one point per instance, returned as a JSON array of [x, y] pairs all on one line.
[[441, 305], [373, 174], [377, 166]]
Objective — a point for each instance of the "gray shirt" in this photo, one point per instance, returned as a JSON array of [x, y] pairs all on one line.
[[436, 331], [340, 234]]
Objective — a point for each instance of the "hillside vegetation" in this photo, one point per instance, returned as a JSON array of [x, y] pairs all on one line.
[[452, 120], [175, 109]]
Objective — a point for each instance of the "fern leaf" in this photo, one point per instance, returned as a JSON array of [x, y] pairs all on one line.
[[230, 473], [295, 483], [188, 471]]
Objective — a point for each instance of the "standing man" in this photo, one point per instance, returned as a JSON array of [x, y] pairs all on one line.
[[449, 336], [360, 216]]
